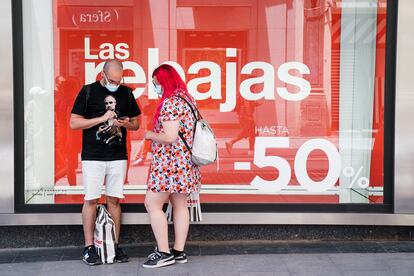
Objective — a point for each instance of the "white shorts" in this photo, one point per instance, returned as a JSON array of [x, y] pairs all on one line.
[[95, 173]]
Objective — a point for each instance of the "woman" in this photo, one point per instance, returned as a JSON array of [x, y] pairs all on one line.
[[172, 174], [245, 111]]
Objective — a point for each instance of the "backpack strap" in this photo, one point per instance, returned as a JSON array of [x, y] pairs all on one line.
[[181, 134], [130, 97], [87, 96], [192, 108]]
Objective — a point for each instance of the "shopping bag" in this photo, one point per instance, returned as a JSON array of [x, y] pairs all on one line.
[[193, 205], [104, 237]]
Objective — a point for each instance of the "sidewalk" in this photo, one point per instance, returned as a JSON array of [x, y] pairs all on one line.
[[276, 258], [271, 264]]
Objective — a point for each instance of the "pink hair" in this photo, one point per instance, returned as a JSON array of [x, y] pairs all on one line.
[[171, 83]]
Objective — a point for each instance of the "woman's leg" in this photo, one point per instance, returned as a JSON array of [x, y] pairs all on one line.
[[146, 149], [252, 135], [181, 220], [154, 203], [229, 145]]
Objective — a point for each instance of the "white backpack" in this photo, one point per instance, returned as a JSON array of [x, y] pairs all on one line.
[[204, 150]]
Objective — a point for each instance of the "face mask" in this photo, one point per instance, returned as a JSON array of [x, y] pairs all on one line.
[[158, 89], [111, 87]]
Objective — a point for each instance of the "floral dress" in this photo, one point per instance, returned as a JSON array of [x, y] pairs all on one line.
[[172, 169]]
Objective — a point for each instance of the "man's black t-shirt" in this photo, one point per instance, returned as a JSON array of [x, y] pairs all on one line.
[[105, 142]]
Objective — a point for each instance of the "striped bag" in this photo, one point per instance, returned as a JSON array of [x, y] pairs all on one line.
[[194, 208], [104, 237]]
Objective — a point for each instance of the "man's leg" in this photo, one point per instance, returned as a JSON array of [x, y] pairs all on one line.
[[90, 254], [88, 220], [114, 208], [93, 175], [115, 175]]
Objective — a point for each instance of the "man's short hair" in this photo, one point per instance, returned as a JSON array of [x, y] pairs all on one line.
[[112, 62]]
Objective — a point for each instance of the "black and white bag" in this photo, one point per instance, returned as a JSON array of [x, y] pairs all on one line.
[[204, 150], [193, 205], [104, 237]]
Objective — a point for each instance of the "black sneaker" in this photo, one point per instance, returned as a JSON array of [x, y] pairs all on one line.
[[90, 256], [120, 256], [159, 259], [179, 256]]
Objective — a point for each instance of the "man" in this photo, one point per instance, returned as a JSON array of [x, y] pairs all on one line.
[[110, 106]]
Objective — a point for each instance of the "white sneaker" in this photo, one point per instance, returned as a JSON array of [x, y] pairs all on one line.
[[138, 162]]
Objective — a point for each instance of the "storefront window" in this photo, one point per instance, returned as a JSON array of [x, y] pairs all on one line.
[[293, 89]]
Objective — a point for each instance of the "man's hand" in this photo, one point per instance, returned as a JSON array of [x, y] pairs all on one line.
[[121, 122], [108, 115]]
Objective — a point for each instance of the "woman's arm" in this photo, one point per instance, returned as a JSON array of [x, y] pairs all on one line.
[[168, 136]]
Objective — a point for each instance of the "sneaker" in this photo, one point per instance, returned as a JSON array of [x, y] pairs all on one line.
[[159, 259], [179, 256], [90, 256], [138, 162], [120, 256]]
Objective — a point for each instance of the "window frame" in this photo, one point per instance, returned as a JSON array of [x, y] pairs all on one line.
[[389, 137]]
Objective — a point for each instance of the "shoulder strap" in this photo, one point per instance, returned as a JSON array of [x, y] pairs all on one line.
[[130, 98], [180, 134], [196, 116], [87, 96]]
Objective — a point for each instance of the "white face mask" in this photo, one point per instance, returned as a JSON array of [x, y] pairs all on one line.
[[158, 89], [111, 87]]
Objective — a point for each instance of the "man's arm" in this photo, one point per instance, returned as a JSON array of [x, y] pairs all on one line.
[[129, 123], [79, 122]]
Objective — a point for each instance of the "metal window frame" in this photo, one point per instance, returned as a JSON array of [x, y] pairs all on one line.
[[217, 213]]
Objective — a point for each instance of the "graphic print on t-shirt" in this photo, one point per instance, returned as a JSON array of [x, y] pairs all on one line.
[[109, 133]]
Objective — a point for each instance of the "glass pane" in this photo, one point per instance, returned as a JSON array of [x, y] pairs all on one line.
[[293, 89]]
